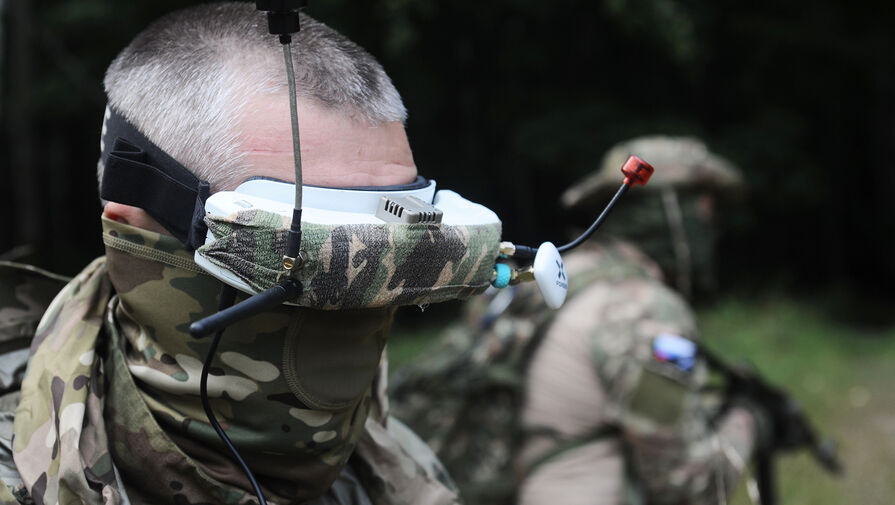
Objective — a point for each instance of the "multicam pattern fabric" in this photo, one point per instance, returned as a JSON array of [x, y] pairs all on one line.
[[676, 444], [305, 373], [358, 266], [86, 431], [397, 468], [467, 401], [58, 448], [26, 292]]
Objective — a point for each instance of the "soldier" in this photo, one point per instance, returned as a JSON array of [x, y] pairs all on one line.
[[613, 387], [109, 409], [596, 402]]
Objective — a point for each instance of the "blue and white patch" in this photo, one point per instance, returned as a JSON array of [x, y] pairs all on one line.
[[675, 349]]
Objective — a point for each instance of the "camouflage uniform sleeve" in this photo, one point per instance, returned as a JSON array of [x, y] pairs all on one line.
[[674, 452], [13, 492], [595, 369], [7, 498], [25, 294], [398, 468]]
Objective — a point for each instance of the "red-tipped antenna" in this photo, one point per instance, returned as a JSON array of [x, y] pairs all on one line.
[[637, 171]]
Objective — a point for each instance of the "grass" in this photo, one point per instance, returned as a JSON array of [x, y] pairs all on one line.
[[842, 374]]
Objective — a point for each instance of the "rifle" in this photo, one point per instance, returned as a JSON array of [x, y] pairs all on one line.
[[791, 428]]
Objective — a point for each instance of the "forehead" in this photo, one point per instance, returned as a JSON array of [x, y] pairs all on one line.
[[337, 148]]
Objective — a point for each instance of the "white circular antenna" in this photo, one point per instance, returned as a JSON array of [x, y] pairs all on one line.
[[550, 274]]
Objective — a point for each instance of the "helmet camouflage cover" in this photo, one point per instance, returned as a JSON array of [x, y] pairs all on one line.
[[672, 218], [680, 162]]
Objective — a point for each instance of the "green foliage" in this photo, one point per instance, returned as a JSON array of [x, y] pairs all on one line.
[[841, 374], [669, 23], [406, 344]]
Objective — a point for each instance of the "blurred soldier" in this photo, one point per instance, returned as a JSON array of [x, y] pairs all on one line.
[[673, 221], [599, 401], [109, 410], [613, 388]]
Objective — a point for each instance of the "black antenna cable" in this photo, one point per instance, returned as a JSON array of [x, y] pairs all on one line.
[[635, 170], [282, 20]]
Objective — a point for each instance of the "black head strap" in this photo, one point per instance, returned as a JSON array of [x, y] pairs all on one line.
[[139, 173]]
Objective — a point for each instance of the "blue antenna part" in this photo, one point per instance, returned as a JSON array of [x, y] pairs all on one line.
[[504, 274]]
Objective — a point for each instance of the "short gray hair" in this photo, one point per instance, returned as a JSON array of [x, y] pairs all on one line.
[[185, 81]]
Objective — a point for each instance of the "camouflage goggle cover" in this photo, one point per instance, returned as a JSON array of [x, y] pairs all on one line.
[[351, 266]]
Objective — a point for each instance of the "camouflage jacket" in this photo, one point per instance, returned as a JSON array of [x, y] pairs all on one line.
[[25, 293], [528, 405], [91, 407]]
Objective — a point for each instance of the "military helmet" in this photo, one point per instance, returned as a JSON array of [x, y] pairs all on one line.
[[680, 162], [672, 218]]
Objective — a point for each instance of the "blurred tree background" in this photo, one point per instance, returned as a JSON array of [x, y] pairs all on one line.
[[512, 101]]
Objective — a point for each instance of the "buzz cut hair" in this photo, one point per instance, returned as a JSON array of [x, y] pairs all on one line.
[[187, 79]]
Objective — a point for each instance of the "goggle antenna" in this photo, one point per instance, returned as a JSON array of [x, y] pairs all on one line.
[[548, 269], [635, 170], [283, 20]]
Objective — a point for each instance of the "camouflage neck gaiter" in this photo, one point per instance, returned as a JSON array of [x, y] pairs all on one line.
[[291, 387]]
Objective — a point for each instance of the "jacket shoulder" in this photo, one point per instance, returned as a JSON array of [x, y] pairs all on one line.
[[12, 489], [25, 293]]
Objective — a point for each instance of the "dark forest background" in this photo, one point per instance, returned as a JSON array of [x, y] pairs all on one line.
[[512, 101]]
